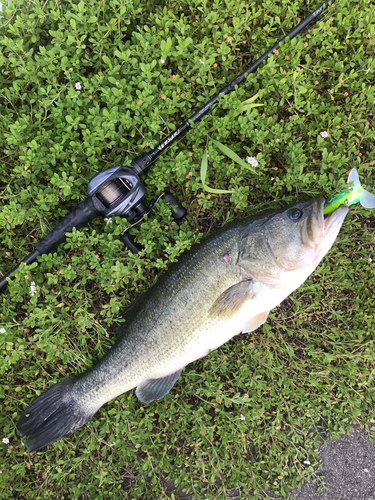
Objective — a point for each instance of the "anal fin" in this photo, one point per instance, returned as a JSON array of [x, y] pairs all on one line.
[[153, 389]]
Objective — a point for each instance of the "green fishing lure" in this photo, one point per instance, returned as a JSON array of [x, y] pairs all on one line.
[[354, 193]]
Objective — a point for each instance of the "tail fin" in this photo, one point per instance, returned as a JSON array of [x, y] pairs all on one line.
[[51, 416]]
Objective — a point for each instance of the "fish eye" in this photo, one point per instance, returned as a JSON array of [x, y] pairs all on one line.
[[294, 214]]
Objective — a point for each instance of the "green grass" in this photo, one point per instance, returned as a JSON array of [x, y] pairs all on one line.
[[311, 363]]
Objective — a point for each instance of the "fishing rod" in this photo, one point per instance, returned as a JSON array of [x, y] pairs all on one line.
[[119, 190]]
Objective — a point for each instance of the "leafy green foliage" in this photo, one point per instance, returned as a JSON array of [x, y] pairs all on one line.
[[140, 69]]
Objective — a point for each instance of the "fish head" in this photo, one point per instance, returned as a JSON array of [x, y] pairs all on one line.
[[293, 239], [300, 236]]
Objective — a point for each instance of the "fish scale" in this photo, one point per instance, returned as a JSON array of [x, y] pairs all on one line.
[[221, 287], [151, 335]]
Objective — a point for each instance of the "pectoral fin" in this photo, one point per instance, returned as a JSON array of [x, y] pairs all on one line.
[[153, 389], [232, 300], [255, 322]]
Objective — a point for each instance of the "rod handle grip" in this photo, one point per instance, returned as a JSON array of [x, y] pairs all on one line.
[[79, 217]]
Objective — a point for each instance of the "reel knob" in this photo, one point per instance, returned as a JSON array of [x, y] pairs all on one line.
[[178, 211], [128, 241]]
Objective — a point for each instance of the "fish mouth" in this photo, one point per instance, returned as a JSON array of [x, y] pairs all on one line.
[[329, 225], [320, 212], [333, 221], [320, 231]]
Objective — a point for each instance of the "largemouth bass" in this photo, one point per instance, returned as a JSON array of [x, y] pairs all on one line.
[[221, 287]]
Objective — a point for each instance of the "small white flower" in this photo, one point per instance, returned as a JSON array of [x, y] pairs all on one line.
[[202, 62], [162, 61], [243, 417], [78, 86], [108, 221], [370, 260], [5, 440], [324, 134], [34, 336], [368, 70], [246, 395], [170, 418], [277, 140], [272, 178], [252, 161], [2, 330], [306, 462]]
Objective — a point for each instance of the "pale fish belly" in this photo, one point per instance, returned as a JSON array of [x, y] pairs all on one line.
[[212, 333], [216, 332]]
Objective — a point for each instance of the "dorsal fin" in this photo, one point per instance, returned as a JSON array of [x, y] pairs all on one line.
[[129, 314]]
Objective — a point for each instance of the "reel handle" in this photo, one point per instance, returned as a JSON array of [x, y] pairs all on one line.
[[178, 211], [129, 242]]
